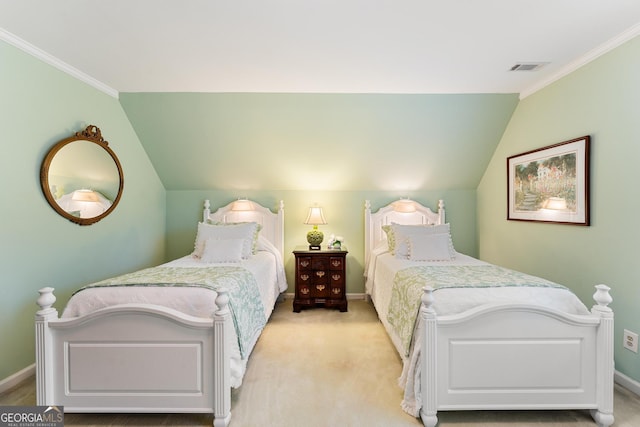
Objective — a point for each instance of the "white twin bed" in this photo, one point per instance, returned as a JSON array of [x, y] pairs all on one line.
[[473, 336], [172, 338]]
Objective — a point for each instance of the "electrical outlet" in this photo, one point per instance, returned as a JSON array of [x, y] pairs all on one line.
[[630, 341]]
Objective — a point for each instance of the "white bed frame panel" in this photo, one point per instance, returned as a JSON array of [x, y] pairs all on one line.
[[141, 357], [509, 356]]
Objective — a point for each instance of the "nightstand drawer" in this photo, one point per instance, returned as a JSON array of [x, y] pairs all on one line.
[[305, 277], [303, 291], [336, 263], [321, 276], [321, 290], [319, 263], [304, 263], [336, 278], [337, 292]]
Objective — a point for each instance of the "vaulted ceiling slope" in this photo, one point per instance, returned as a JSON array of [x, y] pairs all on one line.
[[328, 46], [303, 142]]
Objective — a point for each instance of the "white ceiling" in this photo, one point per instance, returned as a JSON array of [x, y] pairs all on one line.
[[335, 46]]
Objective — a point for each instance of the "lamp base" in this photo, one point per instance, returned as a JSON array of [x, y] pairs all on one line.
[[315, 238]]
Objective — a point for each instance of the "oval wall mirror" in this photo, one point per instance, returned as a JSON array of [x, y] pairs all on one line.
[[81, 177]]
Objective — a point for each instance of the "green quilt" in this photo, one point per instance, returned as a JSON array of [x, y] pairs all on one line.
[[247, 310], [408, 283]]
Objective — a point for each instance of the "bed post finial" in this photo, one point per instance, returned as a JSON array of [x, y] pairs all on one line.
[[206, 211], [222, 301], [427, 299], [45, 301], [441, 211], [603, 298], [368, 233]]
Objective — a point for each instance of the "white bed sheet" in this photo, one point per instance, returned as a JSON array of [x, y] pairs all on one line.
[[266, 267], [381, 271]]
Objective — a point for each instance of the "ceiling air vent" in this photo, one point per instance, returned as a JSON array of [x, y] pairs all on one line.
[[528, 66]]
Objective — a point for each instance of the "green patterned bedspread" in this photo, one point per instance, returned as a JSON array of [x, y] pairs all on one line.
[[247, 310], [408, 287]]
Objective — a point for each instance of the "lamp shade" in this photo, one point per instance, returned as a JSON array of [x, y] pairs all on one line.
[[242, 205], [404, 206], [315, 216]]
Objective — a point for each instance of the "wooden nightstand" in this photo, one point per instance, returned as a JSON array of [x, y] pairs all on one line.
[[320, 278]]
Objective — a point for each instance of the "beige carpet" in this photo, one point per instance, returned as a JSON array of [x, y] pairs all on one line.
[[323, 368]]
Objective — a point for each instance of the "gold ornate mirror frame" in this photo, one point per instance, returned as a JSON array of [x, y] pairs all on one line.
[[82, 178]]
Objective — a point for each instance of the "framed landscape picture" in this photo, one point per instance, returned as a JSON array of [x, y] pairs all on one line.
[[550, 184]]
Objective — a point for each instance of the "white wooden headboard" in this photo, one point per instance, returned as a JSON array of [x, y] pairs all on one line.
[[373, 222], [272, 223]]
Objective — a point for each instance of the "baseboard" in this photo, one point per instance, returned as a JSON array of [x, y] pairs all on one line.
[[15, 379], [626, 382], [291, 295]]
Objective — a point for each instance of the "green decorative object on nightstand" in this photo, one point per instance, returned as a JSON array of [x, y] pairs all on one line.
[[315, 236]]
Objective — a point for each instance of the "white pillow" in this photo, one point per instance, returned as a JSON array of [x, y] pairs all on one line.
[[433, 247], [223, 250], [247, 231], [404, 232], [254, 246]]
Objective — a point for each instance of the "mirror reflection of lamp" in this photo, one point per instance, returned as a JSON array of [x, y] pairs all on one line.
[[85, 195], [84, 203]]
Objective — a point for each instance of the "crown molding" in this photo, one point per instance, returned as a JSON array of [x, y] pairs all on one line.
[[584, 59], [16, 41]]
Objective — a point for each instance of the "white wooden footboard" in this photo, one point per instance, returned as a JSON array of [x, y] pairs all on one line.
[[508, 356], [134, 358]]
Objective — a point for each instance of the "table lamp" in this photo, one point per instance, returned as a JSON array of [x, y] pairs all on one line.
[[315, 218]]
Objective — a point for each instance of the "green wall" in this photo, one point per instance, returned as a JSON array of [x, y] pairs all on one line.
[[336, 150], [332, 142], [343, 210], [40, 105], [601, 100]]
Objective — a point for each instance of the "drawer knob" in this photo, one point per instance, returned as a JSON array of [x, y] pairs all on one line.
[[304, 263], [304, 291], [335, 262], [335, 277], [336, 290], [304, 277], [320, 273], [320, 287]]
